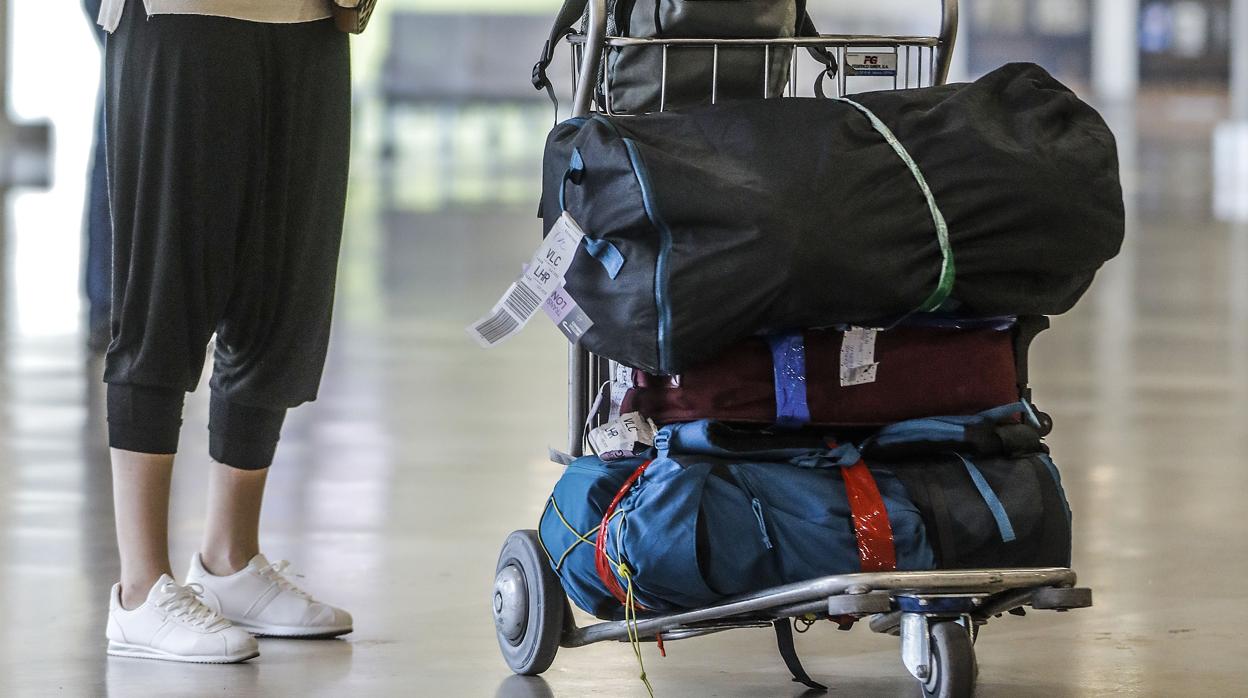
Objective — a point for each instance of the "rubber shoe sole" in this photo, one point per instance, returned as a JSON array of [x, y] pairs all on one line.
[[293, 632], [121, 649]]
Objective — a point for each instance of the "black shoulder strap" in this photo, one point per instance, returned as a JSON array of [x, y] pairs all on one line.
[[806, 28], [565, 22], [788, 652]]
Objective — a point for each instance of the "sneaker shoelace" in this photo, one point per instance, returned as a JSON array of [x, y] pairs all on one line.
[[183, 603], [274, 572]]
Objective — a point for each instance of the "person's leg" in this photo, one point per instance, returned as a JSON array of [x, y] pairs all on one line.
[[180, 171], [232, 535], [98, 258], [272, 340], [242, 441], [141, 505]]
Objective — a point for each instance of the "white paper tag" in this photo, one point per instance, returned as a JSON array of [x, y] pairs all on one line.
[[623, 437], [542, 277], [621, 382], [858, 365]]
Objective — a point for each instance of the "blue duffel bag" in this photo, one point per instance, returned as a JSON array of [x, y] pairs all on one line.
[[717, 512]]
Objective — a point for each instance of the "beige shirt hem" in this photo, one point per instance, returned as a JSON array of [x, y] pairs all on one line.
[[269, 11]]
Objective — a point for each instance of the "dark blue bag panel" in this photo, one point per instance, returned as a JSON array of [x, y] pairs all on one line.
[[991, 512], [988, 491], [696, 528]]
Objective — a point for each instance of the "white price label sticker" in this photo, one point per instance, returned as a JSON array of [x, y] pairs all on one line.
[[542, 277], [621, 382], [858, 365]]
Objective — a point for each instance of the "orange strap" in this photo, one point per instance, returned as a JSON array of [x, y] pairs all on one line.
[[871, 526]]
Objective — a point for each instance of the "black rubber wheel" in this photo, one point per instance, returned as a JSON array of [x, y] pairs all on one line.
[[953, 671], [528, 605]]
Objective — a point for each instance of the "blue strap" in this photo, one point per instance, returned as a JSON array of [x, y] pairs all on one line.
[[991, 499], [576, 168], [788, 355], [843, 456], [607, 254]]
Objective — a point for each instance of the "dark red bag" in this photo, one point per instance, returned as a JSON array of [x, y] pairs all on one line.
[[820, 378]]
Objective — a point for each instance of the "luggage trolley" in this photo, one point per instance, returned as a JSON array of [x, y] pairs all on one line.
[[937, 614]]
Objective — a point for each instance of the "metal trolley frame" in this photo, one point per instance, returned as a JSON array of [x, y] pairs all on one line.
[[937, 614]]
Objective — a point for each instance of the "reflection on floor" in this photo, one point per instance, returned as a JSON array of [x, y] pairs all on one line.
[[394, 491]]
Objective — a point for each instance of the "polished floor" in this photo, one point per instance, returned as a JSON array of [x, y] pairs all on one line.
[[393, 492]]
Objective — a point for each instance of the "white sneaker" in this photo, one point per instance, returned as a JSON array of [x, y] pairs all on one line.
[[174, 625], [260, 599]]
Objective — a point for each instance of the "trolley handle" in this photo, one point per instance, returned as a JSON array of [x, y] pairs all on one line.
[[596, 38]]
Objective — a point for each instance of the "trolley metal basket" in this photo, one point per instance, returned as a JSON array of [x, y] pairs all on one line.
[[937, 614]]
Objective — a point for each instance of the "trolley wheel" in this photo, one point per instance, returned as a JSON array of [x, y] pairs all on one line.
[[953, 671], [528, 605]]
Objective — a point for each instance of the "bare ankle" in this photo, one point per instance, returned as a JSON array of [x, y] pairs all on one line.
[[134, 591], [225, 563]]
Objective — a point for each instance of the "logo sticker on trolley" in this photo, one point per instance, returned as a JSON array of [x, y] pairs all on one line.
[[877, 64], [541, 280]]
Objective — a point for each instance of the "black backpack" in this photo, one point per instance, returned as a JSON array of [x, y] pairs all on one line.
[[629, 82]]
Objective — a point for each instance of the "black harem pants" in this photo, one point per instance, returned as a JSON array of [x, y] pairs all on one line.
[[228, 147]]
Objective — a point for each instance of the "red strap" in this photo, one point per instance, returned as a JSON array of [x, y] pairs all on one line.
[[601, 563], [871, 526]]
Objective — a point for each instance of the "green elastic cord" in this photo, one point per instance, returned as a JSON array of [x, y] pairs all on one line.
[[945, 286]]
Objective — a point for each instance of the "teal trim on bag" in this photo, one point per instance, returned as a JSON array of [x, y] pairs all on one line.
[[944, 285], [665, 250], [991, 499]]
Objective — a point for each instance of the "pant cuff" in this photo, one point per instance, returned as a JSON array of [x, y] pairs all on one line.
[[144, 419], [243, 436]]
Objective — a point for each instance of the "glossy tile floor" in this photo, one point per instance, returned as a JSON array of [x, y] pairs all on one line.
[[393, 493]]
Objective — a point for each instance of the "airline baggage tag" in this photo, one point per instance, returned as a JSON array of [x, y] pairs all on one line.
[[542, 277], [858, 364], [624, 437], [570, 318]]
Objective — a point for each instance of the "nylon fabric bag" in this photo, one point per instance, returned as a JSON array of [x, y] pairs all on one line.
[[718, 515], [772, 215], [918, 371], [631, 74], [989, 493]]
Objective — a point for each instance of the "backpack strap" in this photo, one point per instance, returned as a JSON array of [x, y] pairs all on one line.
[[565, 22], [788, 652]]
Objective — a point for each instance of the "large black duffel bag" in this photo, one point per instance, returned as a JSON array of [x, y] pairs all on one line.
[[997, 197]]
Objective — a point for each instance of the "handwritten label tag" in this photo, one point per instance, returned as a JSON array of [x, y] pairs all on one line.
[[542, 277], [858, 365], [624, 437]]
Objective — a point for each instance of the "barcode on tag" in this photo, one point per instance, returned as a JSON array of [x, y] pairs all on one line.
[[542, 277], [521, 301], [495, 328]]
